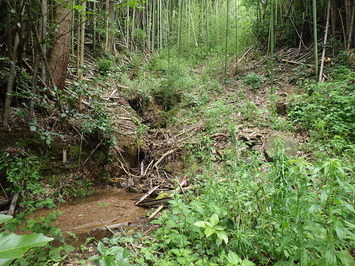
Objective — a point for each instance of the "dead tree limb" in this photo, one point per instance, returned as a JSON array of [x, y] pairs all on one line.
[[114, 226], [146, 195], [13, 204], [156, 212]]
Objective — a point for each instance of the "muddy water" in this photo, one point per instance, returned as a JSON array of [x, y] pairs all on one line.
[[111, 206]]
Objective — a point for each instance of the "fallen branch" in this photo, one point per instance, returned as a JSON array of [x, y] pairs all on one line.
[[153, 202], [163, 156], [296, 63], [13, 204], [146, 195], [126, 170], [92, 152], [170, 194], [109, 229], [156, 212], [244, 55], [114, 226]]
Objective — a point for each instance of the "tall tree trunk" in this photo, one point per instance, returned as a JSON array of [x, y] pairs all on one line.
[[59, 54], [10, 83], [351, 28], [44, 9]]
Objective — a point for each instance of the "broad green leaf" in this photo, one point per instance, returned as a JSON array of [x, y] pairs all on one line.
[[200, 224], [107, 261], [222, 235], [101, 248], [247, 263], [218, 228], [233, 258], [78, 7], [209, 231], [214, 220], [4, 218], [13, 246], [5, 262]]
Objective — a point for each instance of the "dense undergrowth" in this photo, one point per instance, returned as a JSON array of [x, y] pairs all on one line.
[[246, 211]]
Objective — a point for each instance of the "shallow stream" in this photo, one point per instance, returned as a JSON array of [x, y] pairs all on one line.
[[105, 207]]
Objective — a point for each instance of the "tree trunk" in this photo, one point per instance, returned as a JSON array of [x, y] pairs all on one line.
[[11, 81], [59, 54], [44, 9], [110, 9]]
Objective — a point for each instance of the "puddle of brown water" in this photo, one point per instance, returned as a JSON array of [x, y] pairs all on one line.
[[111, 206]]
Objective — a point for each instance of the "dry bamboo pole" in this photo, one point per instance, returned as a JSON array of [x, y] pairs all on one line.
[[94, 28], [320, 78], [272, 46], [44, 9], [133, 42], [226, 41], [236, 33], [153, 24], [180, 24], [127, 27], [315, 37]]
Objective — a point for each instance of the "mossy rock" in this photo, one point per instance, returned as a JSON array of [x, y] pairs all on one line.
[[270, 149]]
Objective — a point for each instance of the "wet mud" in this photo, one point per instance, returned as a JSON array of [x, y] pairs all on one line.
[[106, 207]]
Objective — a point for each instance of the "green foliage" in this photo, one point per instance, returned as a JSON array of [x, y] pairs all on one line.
[[175, 80], [253, 80], [97, 124], [45, 255], [289, 212], [104, 66], [23, 174], [329, 109], [113, 255], [212, 228], [14, 246]]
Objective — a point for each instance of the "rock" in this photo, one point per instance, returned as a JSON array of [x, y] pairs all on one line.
[[290, 145], [256, 148]]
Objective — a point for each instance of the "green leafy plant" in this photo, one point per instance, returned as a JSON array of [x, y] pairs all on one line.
[[111, 256], [212, 228], [253, 80], [104, 66], [234, 259], [328, 110], [14, 246]]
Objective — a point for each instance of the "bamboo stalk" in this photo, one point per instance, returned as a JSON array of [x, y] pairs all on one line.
[[315, 37], [320, 78]]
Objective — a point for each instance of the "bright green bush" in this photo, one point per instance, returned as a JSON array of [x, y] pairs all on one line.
[[329, 110], [253, 80], [104, 66], [290, 212], [175, 80]]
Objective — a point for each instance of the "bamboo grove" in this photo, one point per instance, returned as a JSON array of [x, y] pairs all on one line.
[[40, 38]]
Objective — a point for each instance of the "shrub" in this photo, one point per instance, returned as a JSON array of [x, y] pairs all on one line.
[[328, 110], [253, 80], [104, 66]]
